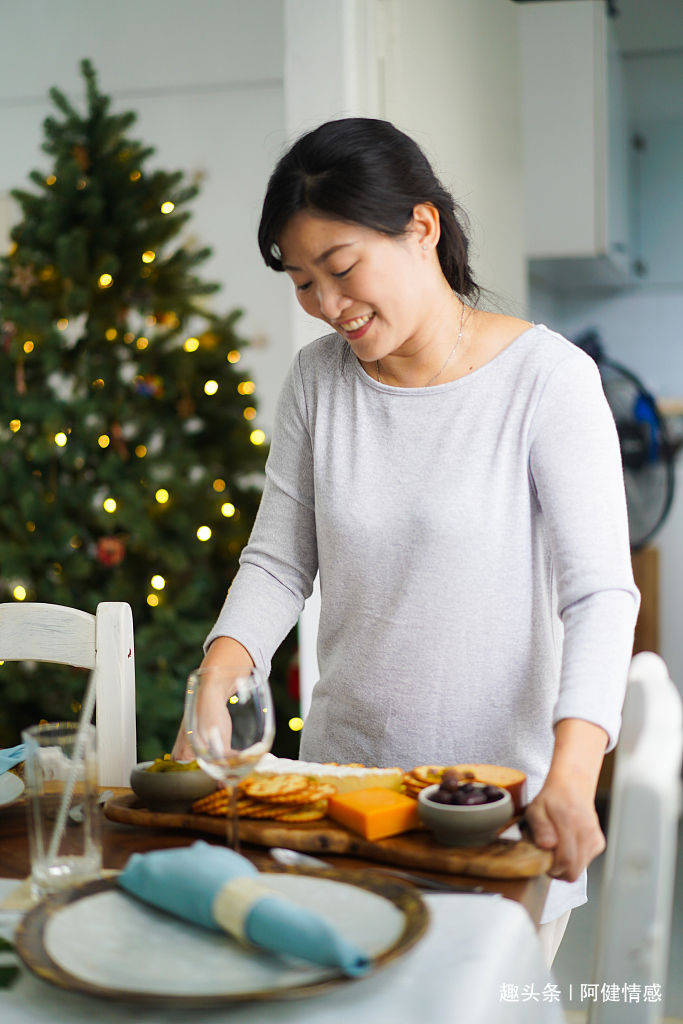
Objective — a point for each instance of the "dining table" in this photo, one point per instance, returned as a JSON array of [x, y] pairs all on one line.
[[479, 959]]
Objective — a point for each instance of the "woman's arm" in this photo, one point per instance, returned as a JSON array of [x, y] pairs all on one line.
[[562, 816]]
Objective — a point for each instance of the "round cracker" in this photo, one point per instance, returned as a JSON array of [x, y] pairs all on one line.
[[274, 787]]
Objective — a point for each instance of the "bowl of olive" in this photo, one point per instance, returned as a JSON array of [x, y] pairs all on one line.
[[170, 786], [464, 813]]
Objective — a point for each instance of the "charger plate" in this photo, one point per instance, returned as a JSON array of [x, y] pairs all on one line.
[[97, 939]]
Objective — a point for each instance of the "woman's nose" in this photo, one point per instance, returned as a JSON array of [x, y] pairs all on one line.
[[331, 301]]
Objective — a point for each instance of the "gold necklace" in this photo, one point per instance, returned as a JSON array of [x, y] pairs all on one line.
[[448, 357]]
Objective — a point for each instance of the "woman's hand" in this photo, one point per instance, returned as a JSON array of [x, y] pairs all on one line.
[[223, 651], [562, 816], [564, 820]]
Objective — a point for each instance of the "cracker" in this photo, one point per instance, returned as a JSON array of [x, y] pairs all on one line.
[[428, 774], [302, 814], [274, 787]]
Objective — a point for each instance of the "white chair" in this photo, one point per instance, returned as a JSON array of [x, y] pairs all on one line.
[[634, 926], [103, 643]]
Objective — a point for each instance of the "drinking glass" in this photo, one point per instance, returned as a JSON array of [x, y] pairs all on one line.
[[230, 724], [61, 777]]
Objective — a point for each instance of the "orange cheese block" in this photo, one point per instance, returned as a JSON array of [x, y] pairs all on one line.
[[374, 813], [511, 779]]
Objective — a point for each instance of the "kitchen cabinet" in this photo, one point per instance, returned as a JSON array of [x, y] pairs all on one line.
[[576, 146]]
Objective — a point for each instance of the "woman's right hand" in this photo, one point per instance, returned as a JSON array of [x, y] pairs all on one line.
[[223, 651]]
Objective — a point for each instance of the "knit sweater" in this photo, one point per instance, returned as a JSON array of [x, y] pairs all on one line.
[[473, 550]]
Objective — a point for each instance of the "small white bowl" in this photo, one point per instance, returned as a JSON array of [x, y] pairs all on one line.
[[463, 825], [172, 792]]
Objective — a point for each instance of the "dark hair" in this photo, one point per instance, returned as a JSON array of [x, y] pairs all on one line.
[[363, 171]]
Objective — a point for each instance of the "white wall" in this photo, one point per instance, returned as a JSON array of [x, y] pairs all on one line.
[[207, 81]]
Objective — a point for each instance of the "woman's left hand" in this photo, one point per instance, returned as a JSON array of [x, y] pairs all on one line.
[[562, 818]]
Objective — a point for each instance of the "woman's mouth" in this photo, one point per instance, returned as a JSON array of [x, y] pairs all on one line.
[[355, 329]]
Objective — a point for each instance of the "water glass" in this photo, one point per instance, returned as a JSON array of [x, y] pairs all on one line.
[[61, 777]]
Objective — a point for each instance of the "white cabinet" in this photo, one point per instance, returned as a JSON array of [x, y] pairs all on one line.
[[576, 147]]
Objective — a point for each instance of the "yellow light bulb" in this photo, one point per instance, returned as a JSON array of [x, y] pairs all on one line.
[[15, 425], [257, 437], [60, 439], [62, 324], [249, 412], [111, 333], [142, 343], [152, 600], [158, 582], [75, 542], [219, 485], [234, 356], [31, 527], [234, 699], [211, 387], [105, 280], [162, 496], [28, 346], [246, 387], [191, 345], [228, 509], [295, 724], [103, 441], [129, 337], [19, 593], [149, 256], [204, 533], [135, 175], [167, 207], [141, 451], [50, 180], [109, 505], [99, 383]]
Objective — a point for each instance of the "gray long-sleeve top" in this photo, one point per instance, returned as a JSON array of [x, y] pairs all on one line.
[[473, 551]]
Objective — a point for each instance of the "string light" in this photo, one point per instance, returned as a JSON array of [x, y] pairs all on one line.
[[81, 183], [75, 542], [204, 533], [31, 526], [219, 485], [234, 699], [109, 505], [191, 344], [105, 281], [60, 439], [167, 207], [152, 600], [129, 337], [149, 256], [50, 180], [99, 383], [15, 425], [246, 387], [135, 175], [234, 356], [162, 496], [228, 509], [142, 343], [103, 441], [158, 582], [295, 724], [257, 437], [19, 593], [62, 324], [249, 412], [141, 451], [111, 333], [211, 387], [28, 346]]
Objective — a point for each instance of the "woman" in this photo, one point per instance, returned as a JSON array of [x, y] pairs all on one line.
[[454, 476]]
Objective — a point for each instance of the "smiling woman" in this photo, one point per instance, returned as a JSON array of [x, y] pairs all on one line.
[[454, 476]]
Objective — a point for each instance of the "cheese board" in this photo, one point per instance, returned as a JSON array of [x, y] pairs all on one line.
[[503, 858]]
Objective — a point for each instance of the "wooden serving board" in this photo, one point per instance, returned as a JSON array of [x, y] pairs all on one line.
[[503, 858]]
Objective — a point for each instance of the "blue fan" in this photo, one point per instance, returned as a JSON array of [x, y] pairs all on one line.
[[647, 452]]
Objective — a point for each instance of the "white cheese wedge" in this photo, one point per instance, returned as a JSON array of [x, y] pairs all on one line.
[[345, 777]]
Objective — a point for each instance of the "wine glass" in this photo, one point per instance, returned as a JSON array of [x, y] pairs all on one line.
[[230, 724]]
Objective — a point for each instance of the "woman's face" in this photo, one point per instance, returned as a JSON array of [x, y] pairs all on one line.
[[343, 272]]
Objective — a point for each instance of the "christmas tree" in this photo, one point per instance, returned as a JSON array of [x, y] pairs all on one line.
[[128, 441]]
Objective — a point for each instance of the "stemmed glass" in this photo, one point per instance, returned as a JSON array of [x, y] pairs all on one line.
[[230, 725]]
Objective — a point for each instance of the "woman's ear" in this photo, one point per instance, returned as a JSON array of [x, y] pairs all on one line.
[[426, 225]]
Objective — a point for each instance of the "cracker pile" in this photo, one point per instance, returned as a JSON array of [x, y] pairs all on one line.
[[428, 775], [287, 798]]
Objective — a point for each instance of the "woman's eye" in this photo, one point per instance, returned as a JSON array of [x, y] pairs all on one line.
[[342, 273]]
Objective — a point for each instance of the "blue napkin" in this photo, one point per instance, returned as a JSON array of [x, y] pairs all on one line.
[[12, 756], [217, 888]]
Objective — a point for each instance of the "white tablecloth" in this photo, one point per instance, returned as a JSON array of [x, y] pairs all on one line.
[[474, 946]]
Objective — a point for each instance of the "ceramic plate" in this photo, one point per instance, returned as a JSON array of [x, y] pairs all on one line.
[[11, 788], [98, 939]]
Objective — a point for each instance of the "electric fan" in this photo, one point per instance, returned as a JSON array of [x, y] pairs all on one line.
[[647, 452]]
